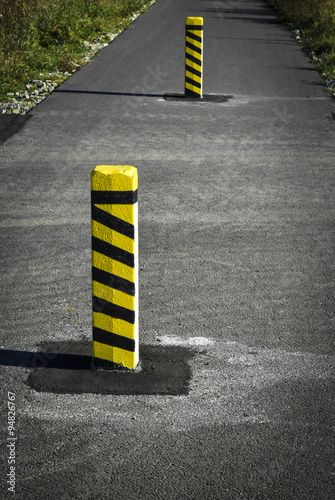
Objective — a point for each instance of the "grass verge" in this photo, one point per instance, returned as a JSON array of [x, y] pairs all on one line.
[[314, 24], [46, 40]]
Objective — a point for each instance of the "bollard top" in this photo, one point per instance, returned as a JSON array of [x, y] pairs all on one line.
[[114, 178], [194, 21]]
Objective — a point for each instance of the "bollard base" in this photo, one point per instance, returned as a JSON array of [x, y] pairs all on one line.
[[205, 98], [189, 94], [98, 364]]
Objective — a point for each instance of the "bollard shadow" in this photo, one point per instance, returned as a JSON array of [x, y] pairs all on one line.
[[44, 360], [102, 92], [65, 368]]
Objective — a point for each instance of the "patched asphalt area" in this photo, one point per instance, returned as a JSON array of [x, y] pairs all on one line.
[[163, 370]]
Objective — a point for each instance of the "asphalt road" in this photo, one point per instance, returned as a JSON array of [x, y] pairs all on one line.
[[236, 222]]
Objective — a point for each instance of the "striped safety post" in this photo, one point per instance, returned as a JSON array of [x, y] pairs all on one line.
[[115, 266], [193, 57]]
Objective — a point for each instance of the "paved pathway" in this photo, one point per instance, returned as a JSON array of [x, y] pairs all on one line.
[[236, 270]]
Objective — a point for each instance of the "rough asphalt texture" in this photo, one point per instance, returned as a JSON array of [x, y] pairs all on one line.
[[237, 277]]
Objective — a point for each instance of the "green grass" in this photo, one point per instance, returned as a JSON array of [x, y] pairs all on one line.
[[316, 20], [40, 36]]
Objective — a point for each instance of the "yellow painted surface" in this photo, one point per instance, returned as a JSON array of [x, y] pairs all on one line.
[[198, 21], [124, 212], [114, 325], [192, 87], [114, 296], [194, 77], [113, 267], [194, 65], [114, 238], [126, 358], [194, 42], [193, 53], [197, 32], [103, 351], [114, 178]]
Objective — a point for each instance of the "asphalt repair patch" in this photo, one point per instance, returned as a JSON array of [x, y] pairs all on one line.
[[164, 371], [198, 100]]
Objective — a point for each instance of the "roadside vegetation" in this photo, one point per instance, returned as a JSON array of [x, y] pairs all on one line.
[[42, 39], [314, 25]]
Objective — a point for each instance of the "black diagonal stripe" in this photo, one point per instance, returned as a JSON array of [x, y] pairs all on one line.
[[113, 339], [192, 70], [194, 27], [104, 307], [193, 36], [113, 281], [114, 197], [190, 45], [113, 222], [193, 59], [113, 252], [192, 82]]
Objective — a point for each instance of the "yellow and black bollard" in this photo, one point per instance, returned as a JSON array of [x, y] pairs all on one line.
[[115, 266], [194, 57]]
